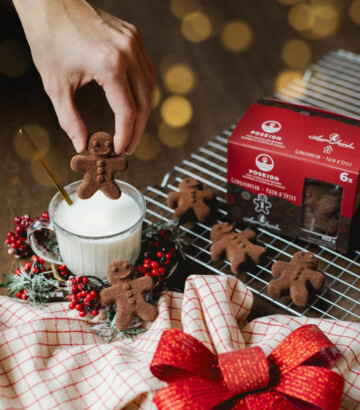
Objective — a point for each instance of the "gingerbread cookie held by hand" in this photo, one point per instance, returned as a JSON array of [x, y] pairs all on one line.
[[128, 294], [99, 167], [192, 200], [294, 277], [237, 247]]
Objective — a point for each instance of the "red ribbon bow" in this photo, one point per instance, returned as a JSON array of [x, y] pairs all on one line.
[[295, 375]]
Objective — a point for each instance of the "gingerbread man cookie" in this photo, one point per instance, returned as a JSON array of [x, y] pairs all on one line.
[[191, 201], [99, 167], [293, 278], [235, 246], [127, 294]]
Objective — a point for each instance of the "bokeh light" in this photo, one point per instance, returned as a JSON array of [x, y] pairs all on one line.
[[354, 11], [236, 36], [148, 148], [196, 27], [180, 8], [296, 53], [156, 96], [172, 137], [301, 17], [286, 77], [15, 59], [40, 137], [176, 111], [326, 21], [179, 78]]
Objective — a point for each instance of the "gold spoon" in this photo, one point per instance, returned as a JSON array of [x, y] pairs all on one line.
[[50, 172]]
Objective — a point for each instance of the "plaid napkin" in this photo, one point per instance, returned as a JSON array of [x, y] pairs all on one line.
[[50, 358]]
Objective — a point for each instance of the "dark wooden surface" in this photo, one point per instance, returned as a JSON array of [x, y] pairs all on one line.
[[226, 84]]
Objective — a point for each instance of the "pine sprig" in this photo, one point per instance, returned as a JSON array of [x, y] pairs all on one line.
[[110, 332], [40, 287]]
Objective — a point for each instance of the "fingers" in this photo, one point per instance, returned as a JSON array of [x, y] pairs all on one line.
[[121, 101], [69, 117]]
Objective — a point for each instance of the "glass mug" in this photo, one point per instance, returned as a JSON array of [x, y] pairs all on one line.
[[85, 255]]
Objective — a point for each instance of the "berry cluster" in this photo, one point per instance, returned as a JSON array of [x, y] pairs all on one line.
[[17, 241], [37, 266], [84, 296], [63, 270], [159, 256]]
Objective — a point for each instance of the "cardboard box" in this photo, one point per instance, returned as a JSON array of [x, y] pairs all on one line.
[[295, 170]]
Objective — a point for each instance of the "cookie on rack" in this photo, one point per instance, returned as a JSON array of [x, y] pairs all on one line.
[[128, 294], [237, 247], [296, 278], [99, 167], [192, 201]]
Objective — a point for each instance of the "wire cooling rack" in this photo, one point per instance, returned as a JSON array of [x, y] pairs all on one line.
[[331, 84]]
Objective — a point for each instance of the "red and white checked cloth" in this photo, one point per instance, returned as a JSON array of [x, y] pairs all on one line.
[[50, 358]]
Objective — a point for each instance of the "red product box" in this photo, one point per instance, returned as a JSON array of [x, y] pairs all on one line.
[[295, 170]]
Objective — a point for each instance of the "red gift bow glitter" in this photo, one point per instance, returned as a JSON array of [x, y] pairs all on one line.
[[295, 375]]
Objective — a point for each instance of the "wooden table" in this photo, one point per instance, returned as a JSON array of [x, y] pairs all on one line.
[[226, 83]]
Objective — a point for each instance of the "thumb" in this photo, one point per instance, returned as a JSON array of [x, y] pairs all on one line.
[[69, 117]]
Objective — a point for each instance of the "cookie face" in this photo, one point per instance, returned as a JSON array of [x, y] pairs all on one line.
[[305, 259], [118, 271], [100, 144], [219, 230], [190, 183]]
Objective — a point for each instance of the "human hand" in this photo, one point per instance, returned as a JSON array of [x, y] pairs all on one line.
[[73, 43]]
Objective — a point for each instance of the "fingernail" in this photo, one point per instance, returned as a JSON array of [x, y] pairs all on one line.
[[78, 145]]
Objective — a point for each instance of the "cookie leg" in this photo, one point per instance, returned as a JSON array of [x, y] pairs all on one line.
[[86, 190], [299, 293], [111, 190], [145, 311], [124, 317], [201, 211], [236, 258], [255, 252], [182, 211], [316, 279], [278, 288]]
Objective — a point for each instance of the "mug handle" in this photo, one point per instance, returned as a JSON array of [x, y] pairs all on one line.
[[38, 248]]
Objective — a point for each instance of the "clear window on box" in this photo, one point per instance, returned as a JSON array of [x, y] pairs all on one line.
[[321, 206]]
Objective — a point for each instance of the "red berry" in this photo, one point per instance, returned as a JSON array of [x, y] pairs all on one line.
[[161, 232], [34, 270], [80, 287], [24, 296], [72, 305], [94, 294], [45, 215], [147, 274], [24, 223], [159, 254], [155, 272], [162, 270], [18, 272], [168, 255], [27, 266], [34, 258], [69, 298], [159, 280], [18, 229], [17, 219], [95, 312], [146, 265], [79, 307], [147, 261], [78, 279], [19, 294], [154, 264], [73, 289], [41, 261], [25, 291], [82, 313], [62, 267], [85, 280]]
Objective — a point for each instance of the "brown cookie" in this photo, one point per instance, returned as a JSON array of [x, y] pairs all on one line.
[[192, 201], [294, 277], [321, 207], [99, 167], [128, 294], [236, 247]]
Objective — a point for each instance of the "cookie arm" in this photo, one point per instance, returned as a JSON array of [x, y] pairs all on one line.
[[172, 199], [120, 164], [146, 284], [209, 195], [315, 277], [278, 267], [79, 163], [107, 296]]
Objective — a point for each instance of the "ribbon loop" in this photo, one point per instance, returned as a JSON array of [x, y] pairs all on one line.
[[245, 370]]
